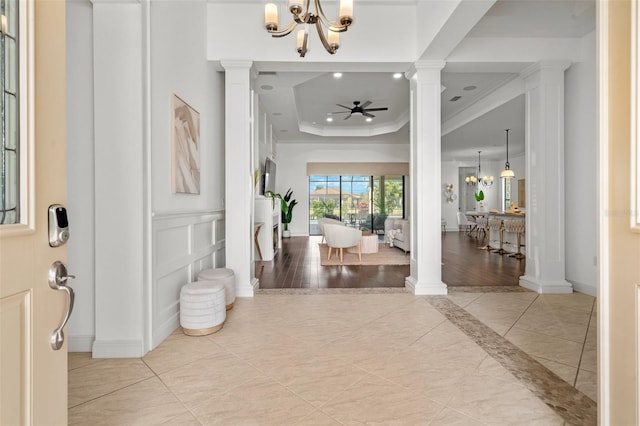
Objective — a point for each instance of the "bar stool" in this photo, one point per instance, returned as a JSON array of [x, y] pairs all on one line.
[[496, 225], [517, 226]]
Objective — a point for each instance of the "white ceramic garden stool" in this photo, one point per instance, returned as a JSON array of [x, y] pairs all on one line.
[[224, 276], [202, 308]]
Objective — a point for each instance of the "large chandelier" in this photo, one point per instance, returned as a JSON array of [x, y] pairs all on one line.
[[304, 15], [507, 173]]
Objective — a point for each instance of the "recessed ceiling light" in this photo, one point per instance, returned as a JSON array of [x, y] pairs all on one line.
[[329, 119], [397, 75], [266, 87], [369, 119], [337, 74], [469, 88]]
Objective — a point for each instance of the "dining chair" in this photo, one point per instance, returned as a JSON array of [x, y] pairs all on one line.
[[465, 223]]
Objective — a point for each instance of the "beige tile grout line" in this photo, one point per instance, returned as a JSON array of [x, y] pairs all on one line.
[[584, 343], [568, 402], [521, 315]]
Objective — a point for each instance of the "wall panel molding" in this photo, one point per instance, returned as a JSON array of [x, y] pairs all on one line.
[[184, 243]]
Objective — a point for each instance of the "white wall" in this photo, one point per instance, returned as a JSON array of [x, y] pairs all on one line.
[[264, 143], [292, 169], [136, 289], [449, 172], [80, 179], [581, 147], [188, 230], [179, 65]]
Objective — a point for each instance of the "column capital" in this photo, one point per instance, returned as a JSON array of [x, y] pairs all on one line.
[[544, 65], [236, 64], [424, 65]]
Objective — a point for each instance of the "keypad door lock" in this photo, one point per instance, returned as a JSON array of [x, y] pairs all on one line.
[[58, 225]]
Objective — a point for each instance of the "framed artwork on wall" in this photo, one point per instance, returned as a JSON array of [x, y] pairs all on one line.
[[522, 193], [185, 147]]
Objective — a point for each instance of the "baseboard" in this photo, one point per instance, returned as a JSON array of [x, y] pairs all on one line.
[[248, 291], [165, 330], [117, 349], [80, 343], [584, 288], [425, 289], [546, 287]]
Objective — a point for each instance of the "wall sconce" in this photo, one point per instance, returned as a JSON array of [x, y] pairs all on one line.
[[449, 195]]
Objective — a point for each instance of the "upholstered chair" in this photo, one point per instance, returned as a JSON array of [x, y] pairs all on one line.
[[402, 239], [465, 223], [341, 237], [324, 220]]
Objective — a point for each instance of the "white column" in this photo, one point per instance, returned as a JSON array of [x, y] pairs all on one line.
[[426, 240], [120, 185], [544, 89], [238, 175]]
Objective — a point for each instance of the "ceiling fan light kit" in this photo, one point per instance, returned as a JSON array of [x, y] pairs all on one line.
[[302, 14]]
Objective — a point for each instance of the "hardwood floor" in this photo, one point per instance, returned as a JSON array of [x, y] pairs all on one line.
[[297, 265], [466, 265]]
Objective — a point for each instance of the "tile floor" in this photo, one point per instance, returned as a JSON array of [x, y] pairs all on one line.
[[376, 356]]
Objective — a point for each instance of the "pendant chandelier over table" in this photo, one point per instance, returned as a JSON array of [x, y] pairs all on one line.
[[303, 15], [485, 181]]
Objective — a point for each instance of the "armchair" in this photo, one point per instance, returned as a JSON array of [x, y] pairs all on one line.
[[398, 233], [326, 220], [341, 237]]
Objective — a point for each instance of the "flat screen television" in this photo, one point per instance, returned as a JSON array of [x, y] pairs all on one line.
[[269, 176]]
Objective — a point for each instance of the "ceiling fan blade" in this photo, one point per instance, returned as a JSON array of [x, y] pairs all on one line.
[[377, 109], [366, 104], [340, 112], [366, 114], [349, 108], [347, 117]]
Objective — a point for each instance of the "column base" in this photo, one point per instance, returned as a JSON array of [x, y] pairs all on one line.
[[247, 290], [546, 287], [420, 288]]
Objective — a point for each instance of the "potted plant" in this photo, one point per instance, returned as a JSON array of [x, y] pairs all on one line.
[[286, 209], [480, 199]]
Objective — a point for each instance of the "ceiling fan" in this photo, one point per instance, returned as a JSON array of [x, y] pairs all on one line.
[[359, 109]]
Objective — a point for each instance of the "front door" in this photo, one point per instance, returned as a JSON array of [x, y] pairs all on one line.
[[33, 374]]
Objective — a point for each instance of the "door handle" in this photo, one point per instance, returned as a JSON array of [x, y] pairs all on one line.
[[58, 278]]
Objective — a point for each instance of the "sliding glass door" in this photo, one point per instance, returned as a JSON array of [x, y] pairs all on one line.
[[363, 202]]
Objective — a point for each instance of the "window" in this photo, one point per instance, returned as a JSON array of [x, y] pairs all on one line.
[[506, 194], [9, 134], [363, 202]]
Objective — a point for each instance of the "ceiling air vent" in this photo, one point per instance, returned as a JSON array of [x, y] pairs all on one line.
[[266, 73], [455, 98]]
